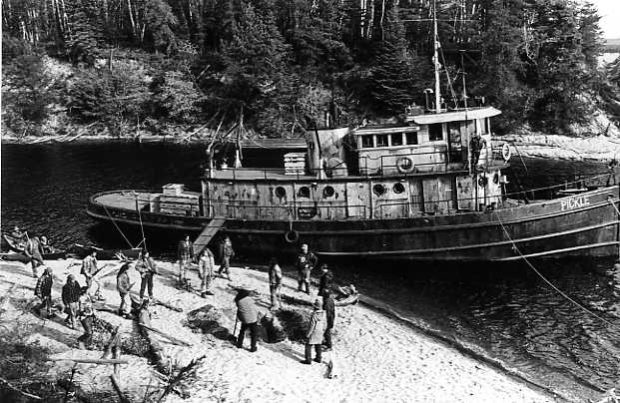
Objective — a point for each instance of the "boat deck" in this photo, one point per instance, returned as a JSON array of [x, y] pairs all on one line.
[[124, 199], [258, 173]]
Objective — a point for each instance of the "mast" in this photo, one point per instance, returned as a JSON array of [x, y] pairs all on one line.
[[436, 60]]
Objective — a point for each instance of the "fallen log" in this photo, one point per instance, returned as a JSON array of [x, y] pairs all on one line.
[[102, 361], [21, 392], [136, 298], [173, 339]]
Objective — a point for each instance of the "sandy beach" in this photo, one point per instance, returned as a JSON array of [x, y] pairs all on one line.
[[376, 358]]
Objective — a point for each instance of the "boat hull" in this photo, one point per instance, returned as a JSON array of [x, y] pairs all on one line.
[[581, 225]]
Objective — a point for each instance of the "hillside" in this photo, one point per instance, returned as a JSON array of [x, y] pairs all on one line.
[[280, 67]]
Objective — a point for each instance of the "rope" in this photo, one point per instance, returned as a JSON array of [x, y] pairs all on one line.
[[116, 225], [140, 218], [562, 293]]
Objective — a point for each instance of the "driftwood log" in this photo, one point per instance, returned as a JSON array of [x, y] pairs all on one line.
[[101, 361]]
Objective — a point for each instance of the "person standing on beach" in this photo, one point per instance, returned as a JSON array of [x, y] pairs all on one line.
[[314, 335], [226, 253], [185, 254], [275, 283], [306, 261], [326, 280], [70, 299], [87, 316], [43, 290], [147, 269], [34, 251], [123, 285], [247, 314], [206, 264], [330, 315]]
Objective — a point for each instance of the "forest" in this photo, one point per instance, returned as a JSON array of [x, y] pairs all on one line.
[[281, 66]]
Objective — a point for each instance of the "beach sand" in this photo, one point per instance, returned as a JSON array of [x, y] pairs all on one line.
[[376, 358]]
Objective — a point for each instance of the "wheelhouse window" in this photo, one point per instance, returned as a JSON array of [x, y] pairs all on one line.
[[435, 132], [382, 140], [397, 139], [412, 138], [367, 141]]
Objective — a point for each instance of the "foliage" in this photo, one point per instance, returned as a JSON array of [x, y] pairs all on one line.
[[286, 61]]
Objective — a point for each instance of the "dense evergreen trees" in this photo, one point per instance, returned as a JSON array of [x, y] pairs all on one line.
[[285, 64]]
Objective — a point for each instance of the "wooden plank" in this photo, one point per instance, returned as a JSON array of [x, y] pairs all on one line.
[[102, 361], [173, 339], [214, 226]]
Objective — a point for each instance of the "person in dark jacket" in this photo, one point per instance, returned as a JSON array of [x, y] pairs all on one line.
[[70, 299], [326, 281], [306, 261], [247, 314], [185, 254], [329, 305], [43, 290], [226, 253], [314, 335], [123, 286], [147, 269]]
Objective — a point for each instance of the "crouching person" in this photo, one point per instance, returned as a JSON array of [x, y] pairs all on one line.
[[70, 299], [316, 329], [43, 290]]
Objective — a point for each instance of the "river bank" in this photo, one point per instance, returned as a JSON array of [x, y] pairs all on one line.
[[376, 357]]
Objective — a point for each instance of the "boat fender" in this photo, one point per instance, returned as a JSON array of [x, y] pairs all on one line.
[[506, 152], [291, 236], [496, 178], [405, 165]]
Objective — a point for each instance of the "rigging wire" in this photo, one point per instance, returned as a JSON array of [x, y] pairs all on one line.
[[116, 225], [562, 293]]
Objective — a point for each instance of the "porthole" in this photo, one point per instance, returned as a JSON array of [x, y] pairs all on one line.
[[378, 189], [328, 191], [303, 191], [398, 188], [280, 192]]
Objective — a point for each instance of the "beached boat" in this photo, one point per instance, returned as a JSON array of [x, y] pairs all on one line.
[[429, 186]]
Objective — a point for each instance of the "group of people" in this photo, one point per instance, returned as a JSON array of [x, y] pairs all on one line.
[[319, 332], [206, 263]]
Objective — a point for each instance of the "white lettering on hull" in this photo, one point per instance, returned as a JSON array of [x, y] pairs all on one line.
[[574, 202]]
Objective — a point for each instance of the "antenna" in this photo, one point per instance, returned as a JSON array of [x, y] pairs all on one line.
[[436, 60], [464, 82]]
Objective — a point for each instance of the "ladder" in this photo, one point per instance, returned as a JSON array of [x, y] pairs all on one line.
[[208, 232]]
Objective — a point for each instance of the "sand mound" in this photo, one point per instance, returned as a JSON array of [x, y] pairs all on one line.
[[209, 320]]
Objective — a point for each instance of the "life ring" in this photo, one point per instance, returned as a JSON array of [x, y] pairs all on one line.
[[405, 165], [291, 236], [506, 152]]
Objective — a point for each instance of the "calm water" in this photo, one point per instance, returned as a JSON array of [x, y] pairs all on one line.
[[506, 310]]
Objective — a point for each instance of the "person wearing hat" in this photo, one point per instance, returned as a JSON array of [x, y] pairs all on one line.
[[247, 314], [43, 290], [86, 314], [70, 299], [306, 261], [314, 335], [326, 280], [226, 253], [275, 283]]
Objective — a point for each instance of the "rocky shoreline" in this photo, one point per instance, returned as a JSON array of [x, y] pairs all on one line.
[[377, 357]]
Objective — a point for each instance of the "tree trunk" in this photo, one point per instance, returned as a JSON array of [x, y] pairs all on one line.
[[131, 19]]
